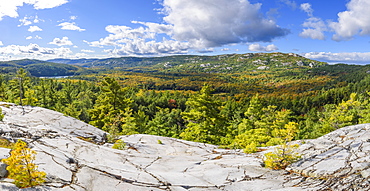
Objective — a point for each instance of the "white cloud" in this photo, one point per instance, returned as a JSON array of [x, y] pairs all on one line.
[[34, 29], [156, 28], [61, 42], [35, 51], [37, 20], [315, 29], [29, 20], [206, 50], [89, 51], [344, 57], [80, 55], [193, 24], [291, 4], [70, 26], [306, 7], [142, 47], [1, 43], [139, 41], [225, 49], [214, 23], [31, 37], [260, 48], [355, 20], [10, 7], [46, 4], [73, 17], [24, 22]]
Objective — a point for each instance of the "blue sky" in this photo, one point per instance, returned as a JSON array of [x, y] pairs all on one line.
[[335, 31]]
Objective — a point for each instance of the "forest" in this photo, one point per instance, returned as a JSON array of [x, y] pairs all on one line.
[[241, 101]]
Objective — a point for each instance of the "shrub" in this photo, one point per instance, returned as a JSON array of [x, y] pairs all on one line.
[[1, 114], [119, 144], [283, 156], [5, 143], [21, 166]]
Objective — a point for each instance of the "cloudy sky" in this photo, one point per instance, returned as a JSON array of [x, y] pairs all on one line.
[[327, 30]]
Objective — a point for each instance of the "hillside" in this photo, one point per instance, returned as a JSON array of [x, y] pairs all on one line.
[[189, 63], [75, 157], [41, 68], [270, 74]]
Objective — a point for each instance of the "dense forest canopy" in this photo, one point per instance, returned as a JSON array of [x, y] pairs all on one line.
[[235, 101]]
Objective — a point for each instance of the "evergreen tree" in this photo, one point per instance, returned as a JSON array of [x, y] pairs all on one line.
[[204, 122], [111, 105], [166, 122], [20, 84]]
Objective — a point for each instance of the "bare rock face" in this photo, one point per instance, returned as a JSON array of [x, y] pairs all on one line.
[[75, 157], [341, 158]]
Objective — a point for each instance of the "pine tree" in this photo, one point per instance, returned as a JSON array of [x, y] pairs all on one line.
[[205, 124], [110, 105], [284, 154], [20, 84]]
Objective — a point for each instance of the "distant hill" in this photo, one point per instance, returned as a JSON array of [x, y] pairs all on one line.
[[192, 63], [81, 62], [40, 68], [230, 63]]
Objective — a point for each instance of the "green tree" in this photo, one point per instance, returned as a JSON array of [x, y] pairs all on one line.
[[141, 120], [113, 93], [20, 84], [262, 127], [344, 114], [112, 107], [204, 121], [166, 122], [3, 88], [127, 122]]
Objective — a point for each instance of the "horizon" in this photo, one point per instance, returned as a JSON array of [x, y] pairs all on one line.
[[159, 56], [78, 29]]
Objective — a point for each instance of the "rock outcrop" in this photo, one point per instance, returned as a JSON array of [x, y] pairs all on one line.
[[75, 157], [341, 159]]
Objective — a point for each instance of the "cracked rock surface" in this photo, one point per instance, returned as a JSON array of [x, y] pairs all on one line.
[[75, 157], [341, 159]]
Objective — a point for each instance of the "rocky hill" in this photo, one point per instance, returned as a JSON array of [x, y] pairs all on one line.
[[193, 63], [75, 157]]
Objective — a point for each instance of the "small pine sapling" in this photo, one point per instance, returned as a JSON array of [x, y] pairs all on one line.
[[119, 144], [1, 114], [284, 154], [21, 166]]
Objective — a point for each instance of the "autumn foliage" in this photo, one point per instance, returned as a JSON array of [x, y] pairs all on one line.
[[21, 166]]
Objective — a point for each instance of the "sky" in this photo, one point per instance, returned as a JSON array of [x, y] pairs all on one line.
[[334, 31]]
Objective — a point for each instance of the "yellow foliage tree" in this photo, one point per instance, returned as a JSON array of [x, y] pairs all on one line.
[[21, 166]]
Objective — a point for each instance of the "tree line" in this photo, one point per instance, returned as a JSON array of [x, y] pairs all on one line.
[[245, 122]]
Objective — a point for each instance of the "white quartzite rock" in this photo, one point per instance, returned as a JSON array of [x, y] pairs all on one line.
[[74, 164]]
